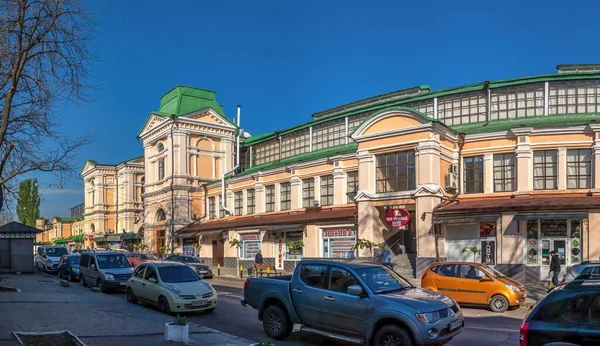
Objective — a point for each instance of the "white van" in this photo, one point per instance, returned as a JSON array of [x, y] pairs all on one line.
[[47, 257]]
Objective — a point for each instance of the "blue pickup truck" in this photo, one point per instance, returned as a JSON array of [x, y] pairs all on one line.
[[355, 301]]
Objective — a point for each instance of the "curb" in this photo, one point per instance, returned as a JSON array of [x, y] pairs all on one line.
[[229, 278]]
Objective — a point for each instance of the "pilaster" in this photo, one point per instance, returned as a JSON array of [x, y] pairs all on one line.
[[562, 168], [427, 161], [259, 195], [488, 173], [339, 186], [366, 172], [296, 185], [524, 158]]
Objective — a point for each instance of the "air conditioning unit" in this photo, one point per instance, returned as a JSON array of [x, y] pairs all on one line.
[[451, 181], [454, 168]]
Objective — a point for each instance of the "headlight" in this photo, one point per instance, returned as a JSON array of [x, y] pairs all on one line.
[[513, 288], [110, 277], [76, 270], [174, 289], [429, 317]]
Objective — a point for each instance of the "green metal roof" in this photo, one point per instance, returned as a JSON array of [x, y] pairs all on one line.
[[535, 122], [183, 100], [425, 96]]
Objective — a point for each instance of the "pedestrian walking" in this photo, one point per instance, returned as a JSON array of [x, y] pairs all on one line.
[[387, 259], [258, 259], [554, 267]]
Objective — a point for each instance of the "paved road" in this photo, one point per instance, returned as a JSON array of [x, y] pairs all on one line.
[[482, 327]]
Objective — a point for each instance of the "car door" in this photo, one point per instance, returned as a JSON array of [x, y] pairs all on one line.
[[446, 280], [308, 293], [62, 267], [136, 280], [471, 289], [558, 319], [342, 312], [588, 332], [84, 268], [150, 290]]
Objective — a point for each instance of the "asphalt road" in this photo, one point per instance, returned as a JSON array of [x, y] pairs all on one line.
[[482, 327]]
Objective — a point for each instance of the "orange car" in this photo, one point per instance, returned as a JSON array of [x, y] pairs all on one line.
[[474, 283], [136, 258]]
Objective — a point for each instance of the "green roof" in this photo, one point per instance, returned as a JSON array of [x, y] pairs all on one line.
[[314, 155], [183, 100], [60, 241], [539, 121], [424, 96]]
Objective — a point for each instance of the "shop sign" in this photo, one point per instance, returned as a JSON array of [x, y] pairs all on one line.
[[339, 232], [250, 237], [397, 217], [488, 252], [280, 255]]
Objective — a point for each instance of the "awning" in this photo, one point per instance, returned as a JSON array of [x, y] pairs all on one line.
[[551, 217], [108, 239], [77, 238], [130, 236], [60, 241], [473, 219]]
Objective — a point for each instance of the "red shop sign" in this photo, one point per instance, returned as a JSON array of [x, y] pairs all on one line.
[[397, 217]]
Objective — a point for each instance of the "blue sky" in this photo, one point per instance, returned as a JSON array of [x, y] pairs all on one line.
[[285, 60]]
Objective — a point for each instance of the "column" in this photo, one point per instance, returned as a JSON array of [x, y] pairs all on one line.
[[524, 157], [296, 184], [244, 202], [562, 168], [366, 172], [596, 160], [259, 195], [427, 160], [230, 206], [277, 197], [318, 189], [339, 186], [488, 173]]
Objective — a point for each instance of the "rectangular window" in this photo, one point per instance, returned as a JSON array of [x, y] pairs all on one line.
[[295, 143], [352, 185], [161, 169], [329, 134], [574, 97], [266, 152], [308, 192], [221, 210], [517, 102], [355, 120], [473, 174], [211, 208], [250, 201], [327, 190], [396, 171], [545, 169], [270, 198], [238, 201], [463, 108], [285, 196], [250, 245], [504, 172], [579, 168]]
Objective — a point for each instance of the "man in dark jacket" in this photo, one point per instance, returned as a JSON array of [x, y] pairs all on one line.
[[258, 258], [554, 267]]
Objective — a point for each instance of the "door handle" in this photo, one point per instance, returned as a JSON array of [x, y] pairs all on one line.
[[297, 290], [330, 298]]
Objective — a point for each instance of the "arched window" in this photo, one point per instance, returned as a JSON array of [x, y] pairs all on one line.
[[160, 215], [160, 147], [92, 228]]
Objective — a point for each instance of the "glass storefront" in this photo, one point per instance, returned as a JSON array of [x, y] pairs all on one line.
[[338, 242], [250, 245]]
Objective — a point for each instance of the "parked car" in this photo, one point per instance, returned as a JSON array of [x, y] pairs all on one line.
[[172, 287], [68, 267], [105, 270], [201, 268], [353, 300], [577, 270], [568, 314], [47, 257], [136, 258], [474, 283]]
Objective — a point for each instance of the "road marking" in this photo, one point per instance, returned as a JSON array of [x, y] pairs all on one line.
[[494, 329], [228, 294]]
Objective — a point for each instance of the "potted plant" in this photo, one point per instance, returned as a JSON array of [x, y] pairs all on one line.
[[178, 330], [364, 244], [140, 247], [164, 250], [295, 249], [474, 250]]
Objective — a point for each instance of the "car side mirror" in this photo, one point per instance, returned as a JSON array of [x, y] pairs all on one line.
[[485, 278], [355, 290], [153, 280], [93, 266]]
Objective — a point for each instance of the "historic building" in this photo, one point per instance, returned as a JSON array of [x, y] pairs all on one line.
[[507, 167]]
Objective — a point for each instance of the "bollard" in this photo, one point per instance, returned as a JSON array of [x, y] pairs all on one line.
[[268, 271], [241, 271], [218, 269]]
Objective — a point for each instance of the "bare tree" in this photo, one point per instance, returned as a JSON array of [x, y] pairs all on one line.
[[44, 58]]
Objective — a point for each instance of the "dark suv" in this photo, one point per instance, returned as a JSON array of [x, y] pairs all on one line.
[[570, 313]]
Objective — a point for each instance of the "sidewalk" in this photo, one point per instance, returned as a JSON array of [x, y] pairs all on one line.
[[96, 318], [233, 274]]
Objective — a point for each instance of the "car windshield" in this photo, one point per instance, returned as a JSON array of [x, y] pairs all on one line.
[[590, 270], [382, 280], [74, 260], [179, 273], [494, 272], [149, 257], [190, 259], [112, 261], [56, 251]]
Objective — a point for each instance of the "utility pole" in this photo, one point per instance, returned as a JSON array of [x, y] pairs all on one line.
[[174, 119]]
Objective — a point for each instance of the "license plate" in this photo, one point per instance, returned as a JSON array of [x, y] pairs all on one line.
[[123, 283], [203, 272], [199, 303], [455, 324]]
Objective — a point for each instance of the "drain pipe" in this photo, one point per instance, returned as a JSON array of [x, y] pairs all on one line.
[[237, 165]]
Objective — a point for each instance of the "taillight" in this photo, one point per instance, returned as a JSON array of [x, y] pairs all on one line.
[[246, 284], [523, 334], [563, 280]]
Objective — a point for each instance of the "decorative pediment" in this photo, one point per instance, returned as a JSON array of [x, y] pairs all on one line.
[[89, 165], [362, 196], [153, 122], [428, 190], [211, 117]]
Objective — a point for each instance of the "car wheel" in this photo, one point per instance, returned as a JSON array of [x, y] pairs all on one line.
[[276, 323], [498, 303], [82, 281], [392, 335], [163, 305], [100, 285], [131, 296]]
